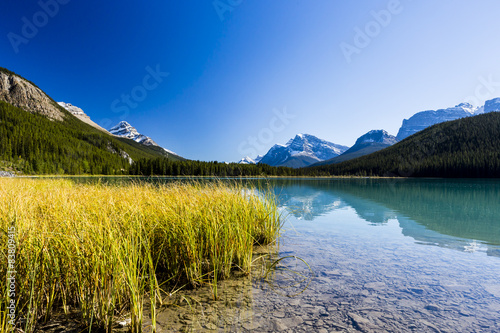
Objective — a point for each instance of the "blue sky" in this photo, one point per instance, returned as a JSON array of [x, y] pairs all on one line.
[[243, 75]]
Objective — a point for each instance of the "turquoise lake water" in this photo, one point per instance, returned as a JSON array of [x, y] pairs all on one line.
[[383, 255], [399, 255]]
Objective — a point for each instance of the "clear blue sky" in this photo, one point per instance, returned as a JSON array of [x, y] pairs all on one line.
[[230, 67]]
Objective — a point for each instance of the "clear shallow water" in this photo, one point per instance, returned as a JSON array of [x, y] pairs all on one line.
[[398, 255], [394, 255], [386, 256]]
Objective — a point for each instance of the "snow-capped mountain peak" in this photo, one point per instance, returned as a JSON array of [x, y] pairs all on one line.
[[302, 150], [298, 137], [492, 105], [467, 107], [306, 144], [247, 160], [124, 129], [377, 136], [424, 119]]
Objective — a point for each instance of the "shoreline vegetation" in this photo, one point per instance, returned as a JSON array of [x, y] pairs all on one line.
[[104, 251], [187, 177]]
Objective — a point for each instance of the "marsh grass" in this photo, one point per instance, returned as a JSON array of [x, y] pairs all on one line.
[[107, 250]]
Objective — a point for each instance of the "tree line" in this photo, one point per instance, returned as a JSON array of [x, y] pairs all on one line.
[[33, 144]]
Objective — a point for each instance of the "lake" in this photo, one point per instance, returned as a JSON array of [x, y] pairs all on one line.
[[371, 255], [395, 255]]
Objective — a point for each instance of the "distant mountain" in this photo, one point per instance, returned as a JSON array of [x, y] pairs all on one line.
[[125, 130], [376, 136], [249, 160], [366, 144], [80, 114], [492, 105], [301, 151], [467, 147], [424, 119]]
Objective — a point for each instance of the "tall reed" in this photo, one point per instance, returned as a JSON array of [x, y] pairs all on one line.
[[107, 250]]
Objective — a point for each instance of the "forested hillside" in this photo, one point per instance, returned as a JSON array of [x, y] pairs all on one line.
[[33, 144], [468, 147]]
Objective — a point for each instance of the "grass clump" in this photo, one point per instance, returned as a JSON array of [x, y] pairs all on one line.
[[108, 250]]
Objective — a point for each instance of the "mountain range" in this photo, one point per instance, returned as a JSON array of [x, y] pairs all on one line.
[[40, 136], [375, 140], [466, 147], [424, 119]]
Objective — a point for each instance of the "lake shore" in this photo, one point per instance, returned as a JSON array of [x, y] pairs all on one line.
[[103, 252], [214, 177]]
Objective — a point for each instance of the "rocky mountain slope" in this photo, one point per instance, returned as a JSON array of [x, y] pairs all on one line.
[[25, 95], [80, 114]]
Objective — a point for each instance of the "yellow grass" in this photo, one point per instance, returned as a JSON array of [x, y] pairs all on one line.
[[107, 250]]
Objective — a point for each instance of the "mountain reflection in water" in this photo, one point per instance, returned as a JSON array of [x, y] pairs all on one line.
[[458, 214]]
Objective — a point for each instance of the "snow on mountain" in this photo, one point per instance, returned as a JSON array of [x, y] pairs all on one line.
[[80, 114], [377, 136], [492, 105], [424, 119], [247, 160], [125, 130], [479, 110], [466, 107], [301, 151], [73, 109]]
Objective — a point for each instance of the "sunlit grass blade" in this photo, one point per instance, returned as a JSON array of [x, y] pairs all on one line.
[[106, 252]]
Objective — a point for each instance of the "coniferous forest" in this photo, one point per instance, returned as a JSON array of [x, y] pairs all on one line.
[[463, 148], [33, 144]]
